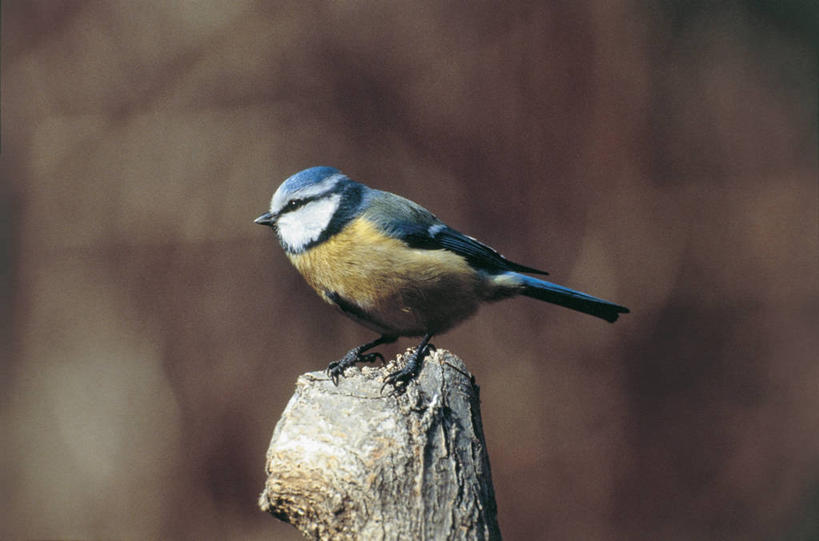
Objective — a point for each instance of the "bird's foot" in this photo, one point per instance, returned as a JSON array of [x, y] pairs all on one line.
[[401, 378], [336, 368]]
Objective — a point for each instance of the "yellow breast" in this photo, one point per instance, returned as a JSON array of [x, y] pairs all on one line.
[[406, 291]]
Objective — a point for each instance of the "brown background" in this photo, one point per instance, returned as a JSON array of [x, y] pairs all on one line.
[[661, 156]]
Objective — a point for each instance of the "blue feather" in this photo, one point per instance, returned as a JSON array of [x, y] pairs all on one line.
[[309, 176], [403, 219], [570, 298]]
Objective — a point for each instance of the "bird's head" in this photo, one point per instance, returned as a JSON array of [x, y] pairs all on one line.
[[310, 206]]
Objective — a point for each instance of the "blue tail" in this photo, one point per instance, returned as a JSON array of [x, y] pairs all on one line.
[[563, 296]]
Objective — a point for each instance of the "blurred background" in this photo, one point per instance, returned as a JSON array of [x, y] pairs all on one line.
[[659, 154]]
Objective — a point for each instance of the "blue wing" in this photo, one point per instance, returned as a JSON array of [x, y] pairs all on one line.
[[402, 219]]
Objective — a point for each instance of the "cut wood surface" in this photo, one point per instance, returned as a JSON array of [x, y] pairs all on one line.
[[353, 462]]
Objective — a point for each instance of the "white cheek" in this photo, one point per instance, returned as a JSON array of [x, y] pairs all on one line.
[[299, 228]]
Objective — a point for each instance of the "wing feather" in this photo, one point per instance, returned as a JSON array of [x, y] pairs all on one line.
[[402, 219]]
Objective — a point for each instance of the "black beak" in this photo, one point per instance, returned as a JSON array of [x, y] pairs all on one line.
[[265, 219]]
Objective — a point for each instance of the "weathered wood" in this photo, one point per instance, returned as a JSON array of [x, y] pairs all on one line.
[[349, 462]]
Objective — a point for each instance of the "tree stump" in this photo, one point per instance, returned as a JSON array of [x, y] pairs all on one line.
[[351, 462]]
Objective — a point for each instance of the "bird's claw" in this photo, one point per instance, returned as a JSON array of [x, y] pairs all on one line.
[[399, 379], [336, 368]]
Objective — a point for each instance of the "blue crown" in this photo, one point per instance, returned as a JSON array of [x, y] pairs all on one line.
[[309, 176]]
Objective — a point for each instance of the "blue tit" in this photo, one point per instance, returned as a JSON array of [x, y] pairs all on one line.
[[394, 267]]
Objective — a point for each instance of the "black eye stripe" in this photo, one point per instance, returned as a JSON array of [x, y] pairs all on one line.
[[294, 204], [299, 202]]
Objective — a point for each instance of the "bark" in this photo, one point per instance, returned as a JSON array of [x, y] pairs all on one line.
[[351, 462]]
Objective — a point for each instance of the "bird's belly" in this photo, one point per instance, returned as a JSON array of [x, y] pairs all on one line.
[[391, 288]]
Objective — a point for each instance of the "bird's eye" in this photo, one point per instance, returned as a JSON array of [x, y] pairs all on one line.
[[294, 204]]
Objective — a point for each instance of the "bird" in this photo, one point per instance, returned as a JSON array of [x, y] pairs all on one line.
[[394, 267]]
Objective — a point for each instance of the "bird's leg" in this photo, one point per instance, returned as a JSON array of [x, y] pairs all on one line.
[[336, 368], [413, 366]]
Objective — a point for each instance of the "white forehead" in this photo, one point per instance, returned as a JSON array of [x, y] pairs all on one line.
[[286, 192]]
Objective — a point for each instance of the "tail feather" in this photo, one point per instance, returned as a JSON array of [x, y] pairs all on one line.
[[575, 300]]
